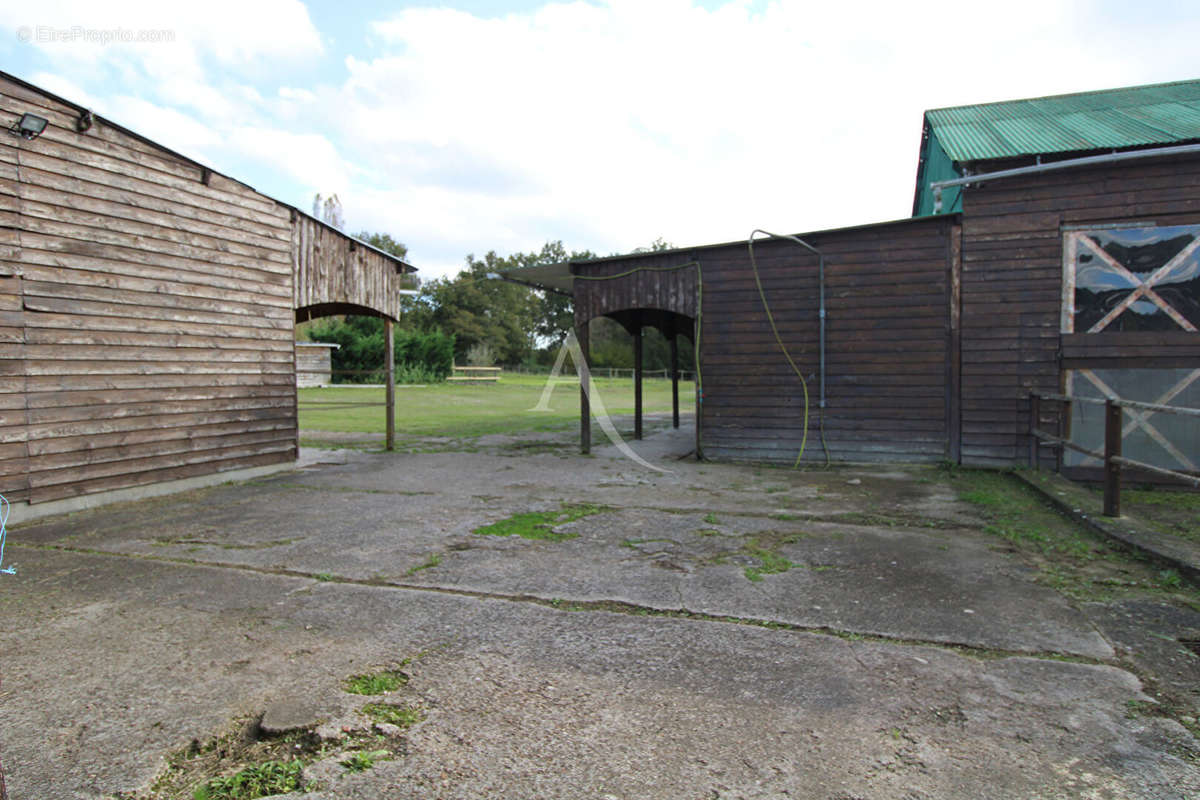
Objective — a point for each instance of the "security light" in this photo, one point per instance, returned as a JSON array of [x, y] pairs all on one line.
[[29, 126]]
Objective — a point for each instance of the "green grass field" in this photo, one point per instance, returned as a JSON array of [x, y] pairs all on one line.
[[461, 410]]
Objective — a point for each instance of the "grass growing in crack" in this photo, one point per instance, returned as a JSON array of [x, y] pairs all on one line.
[[363, 760], [429, 563], [541, 524], [261, 780], [400, 716], [324, 576], [770, 562], [1068, 557], [240, 762], [373, 683], [711, 519]]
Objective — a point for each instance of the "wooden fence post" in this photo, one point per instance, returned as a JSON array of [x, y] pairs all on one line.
[[1064, 433], [1112, 448], [585, 377], [390, 378], [675, 381], [1035, 414], [637, 381]]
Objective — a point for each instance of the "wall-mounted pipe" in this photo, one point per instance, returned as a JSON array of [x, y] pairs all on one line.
[[821, 293], [1106, 158]]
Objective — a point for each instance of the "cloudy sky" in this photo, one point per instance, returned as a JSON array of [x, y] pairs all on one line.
[[473, 125]]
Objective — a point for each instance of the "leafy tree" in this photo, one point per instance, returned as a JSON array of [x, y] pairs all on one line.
[[384, 242], [359, 359], [509, 318], [655, 246]]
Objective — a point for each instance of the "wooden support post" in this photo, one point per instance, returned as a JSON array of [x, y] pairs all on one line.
[[585, 406], [699, 378], [637, 381], [390, 377], [1112, 470], [1035, 415], [1064, 433], [675, 381]]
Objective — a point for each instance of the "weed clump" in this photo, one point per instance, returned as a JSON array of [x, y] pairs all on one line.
[[540, 524], [374, 683], [363, 760], [429, 563], [770, 563], [260, 780]]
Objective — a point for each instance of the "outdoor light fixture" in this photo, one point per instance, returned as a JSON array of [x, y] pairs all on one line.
[[28, 127], [84, 122]]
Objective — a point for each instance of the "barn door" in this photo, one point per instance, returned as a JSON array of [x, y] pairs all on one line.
[[1130, 315]]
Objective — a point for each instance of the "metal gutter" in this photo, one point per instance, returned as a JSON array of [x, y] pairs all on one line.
[[1106, 158]]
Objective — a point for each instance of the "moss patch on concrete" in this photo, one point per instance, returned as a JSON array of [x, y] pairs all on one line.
[[541, 525]]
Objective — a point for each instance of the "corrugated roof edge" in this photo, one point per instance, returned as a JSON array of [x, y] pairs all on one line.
[[1063, 96], [145, 140]]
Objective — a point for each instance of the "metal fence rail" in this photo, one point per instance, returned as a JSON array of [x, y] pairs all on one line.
[[1111, 455]]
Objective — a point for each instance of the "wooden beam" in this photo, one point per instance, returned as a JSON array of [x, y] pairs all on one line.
[[1112, 468], [585, 376], [954, 349], [675, 381], [637, 380], [390, 350]]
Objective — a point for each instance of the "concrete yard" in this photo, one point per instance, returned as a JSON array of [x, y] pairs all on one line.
[[716, 631]]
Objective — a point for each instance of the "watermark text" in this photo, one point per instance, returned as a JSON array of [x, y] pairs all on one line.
[[78, 34]]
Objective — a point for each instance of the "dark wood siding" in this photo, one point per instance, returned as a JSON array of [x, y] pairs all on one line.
[[888, 340], [887, 345], [155, 313], [1012, 290], [663, 283]]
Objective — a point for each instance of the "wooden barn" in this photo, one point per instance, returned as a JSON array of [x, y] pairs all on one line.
[[1053, 247], [147, 310]]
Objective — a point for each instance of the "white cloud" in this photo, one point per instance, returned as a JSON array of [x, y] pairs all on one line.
[[605, 124], [309, 159], [639, 118]]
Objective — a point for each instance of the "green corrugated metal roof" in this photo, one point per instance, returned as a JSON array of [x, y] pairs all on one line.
[[1141, 115]]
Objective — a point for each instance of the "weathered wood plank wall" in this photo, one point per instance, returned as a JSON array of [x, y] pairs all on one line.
[[14, 453], [314, 364], [335, 274], [154, 313], [1012, 291]]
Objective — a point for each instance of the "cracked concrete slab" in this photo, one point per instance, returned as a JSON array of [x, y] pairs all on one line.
[[134, 630]]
